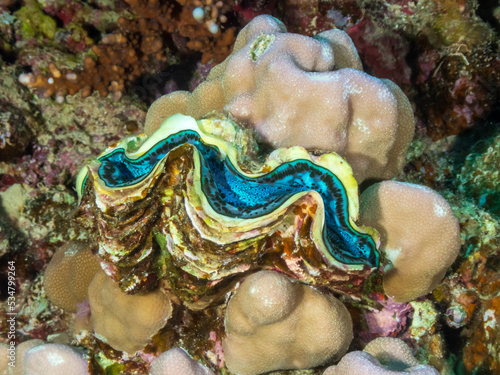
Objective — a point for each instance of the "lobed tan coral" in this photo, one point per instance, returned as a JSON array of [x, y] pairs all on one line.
[[177, 362], [296, 90], [382, 356], [419, 232], [273, 322], [126, 322], [69, 274]]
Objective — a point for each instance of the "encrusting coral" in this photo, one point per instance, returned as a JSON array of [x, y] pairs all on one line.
[[420, 256], [273, 322], [69, 274], [382, 356], [126, 322], [296, 90]]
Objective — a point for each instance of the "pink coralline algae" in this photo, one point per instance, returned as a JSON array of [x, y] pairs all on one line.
[[390, 320], [383, 50]]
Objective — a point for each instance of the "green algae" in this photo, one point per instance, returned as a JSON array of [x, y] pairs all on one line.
[[34, 23], [110, 367], [453, 25], [261, 45]]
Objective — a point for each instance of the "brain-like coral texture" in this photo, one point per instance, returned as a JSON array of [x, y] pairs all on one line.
[[296, 90], [273, 322]]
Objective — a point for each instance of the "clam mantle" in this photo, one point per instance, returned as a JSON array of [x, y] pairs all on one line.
[[193, 203]]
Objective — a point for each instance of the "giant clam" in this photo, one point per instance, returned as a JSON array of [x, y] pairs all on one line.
[[192, 205]]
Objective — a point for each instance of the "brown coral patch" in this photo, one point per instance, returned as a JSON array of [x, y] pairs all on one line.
[[152, 38]]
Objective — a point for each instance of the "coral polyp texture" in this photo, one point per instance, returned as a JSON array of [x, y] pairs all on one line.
[[177, 362], [300, 91], [56, 359], [275, 323], [419, 261], [69, 274], [256, 226], [126, 322]]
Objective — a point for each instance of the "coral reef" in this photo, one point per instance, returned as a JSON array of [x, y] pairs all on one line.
[[55, 359], [21, 351], [145, 39], [454, 50], [479, 175], [391, 319], [470, 296], [444, 56], [40, 358], [15, 130], [177, 362], [193, 207], [69, 274], [464, 297]]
